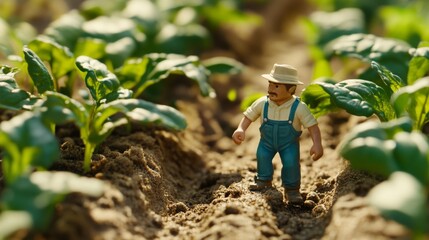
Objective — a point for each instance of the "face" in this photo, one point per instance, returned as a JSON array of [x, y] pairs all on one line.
[[278, 93]]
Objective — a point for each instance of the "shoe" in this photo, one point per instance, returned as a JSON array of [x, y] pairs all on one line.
[[294, 197], [260, 185]]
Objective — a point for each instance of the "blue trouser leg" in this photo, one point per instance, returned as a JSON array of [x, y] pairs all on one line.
[[264, 157], [291, 172]]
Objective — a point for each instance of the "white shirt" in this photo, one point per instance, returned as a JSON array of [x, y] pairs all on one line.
[[303, 116]]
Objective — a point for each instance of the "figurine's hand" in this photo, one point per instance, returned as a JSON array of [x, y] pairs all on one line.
[[316, 152], [238, 136]]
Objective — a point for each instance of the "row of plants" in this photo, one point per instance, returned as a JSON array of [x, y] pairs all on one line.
[[386, 77], [92, 67], [397, 144], [119, 29]]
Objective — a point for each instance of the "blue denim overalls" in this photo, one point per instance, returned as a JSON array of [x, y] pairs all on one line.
[[281, 137]]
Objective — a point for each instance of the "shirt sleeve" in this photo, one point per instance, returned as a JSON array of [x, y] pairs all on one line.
[[254, 111], [307, 119]]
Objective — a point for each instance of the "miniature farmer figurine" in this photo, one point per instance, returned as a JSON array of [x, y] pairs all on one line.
[[282, 116]]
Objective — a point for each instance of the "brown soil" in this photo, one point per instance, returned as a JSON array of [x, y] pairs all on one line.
[[194, 184]]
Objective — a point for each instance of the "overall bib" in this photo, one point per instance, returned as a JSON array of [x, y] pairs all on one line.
[[279, 137]]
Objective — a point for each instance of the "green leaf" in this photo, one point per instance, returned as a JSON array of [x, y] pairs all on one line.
[[221, 15], [67, 182], [359, 97], [165, 64], [131, 73], [120, 50], [223, 65], [322, 67], [12, 97], [413, 99], [145, 13], [393, 198], [158, 66], [370, 154], [9, 71], [23, 33], [339, 23], [187, 39], [27, 143], [67, 29], [59, 57], [391, 82], [411, 153], [93, 8], [99, 80], [109, 29], [382, 131], [91, 47], [39, 73], [391, 53], [38, 194], [58, 108], [317, 99], [372, 146], [148, 113], [419, 64], [392, 127], [406, 22]]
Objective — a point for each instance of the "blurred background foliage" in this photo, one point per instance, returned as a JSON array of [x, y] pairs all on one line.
[[140, 26], [403, 23], [190, 26], [116, 30], [401, 19]]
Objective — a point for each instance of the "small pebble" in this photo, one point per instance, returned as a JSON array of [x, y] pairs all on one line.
[[313, 196], [310, 203], [319, 210]]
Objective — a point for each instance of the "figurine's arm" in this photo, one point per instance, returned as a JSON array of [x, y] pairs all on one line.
[[239, 134], [316, 150]]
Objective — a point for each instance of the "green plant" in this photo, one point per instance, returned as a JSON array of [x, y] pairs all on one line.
[[118, 51], [138, 74], [406, 22], [59, 59], [120, 30], [413, 100], [96, 120], [390, 53], [110, 103], [393, 150], [13, 97], [396, 148], [28, 144], [380, 95], [393, 197], [31, 194], [29, 201]]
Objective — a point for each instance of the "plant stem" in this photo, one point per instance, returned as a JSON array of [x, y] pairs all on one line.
[[89, 149]]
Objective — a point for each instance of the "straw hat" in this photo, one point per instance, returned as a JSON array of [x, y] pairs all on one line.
[[284, 74]]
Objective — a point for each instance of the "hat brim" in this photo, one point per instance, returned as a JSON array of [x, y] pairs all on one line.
[[293, 81]]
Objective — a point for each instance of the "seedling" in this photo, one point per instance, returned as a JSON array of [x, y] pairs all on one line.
[[27, 145]]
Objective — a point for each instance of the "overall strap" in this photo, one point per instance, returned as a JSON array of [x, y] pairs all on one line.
[[293, 110], [265, 115]]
